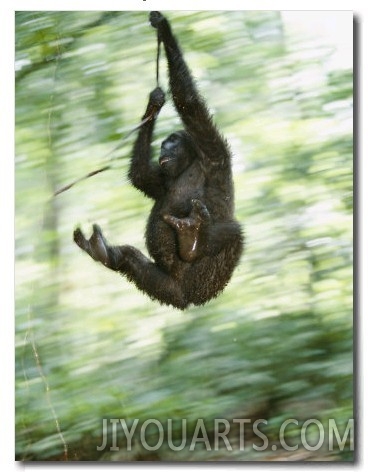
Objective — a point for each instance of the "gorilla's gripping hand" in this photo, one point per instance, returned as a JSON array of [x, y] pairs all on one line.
[[155, 103], [156, 19]]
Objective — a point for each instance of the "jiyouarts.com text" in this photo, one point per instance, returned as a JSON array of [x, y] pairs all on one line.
[[239, 433]]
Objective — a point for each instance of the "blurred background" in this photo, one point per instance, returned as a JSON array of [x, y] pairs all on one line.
[[278, 343]]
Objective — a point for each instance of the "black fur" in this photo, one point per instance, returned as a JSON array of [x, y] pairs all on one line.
[[191, 233]]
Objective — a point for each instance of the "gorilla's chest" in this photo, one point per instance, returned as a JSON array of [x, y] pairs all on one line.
[[189, 185]]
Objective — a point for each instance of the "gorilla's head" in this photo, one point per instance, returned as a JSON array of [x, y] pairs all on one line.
[[177, 153]]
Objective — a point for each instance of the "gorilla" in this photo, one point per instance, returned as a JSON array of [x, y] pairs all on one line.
[[191, 235]]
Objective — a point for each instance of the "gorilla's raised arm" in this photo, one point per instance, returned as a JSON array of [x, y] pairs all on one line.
[[189, 103]]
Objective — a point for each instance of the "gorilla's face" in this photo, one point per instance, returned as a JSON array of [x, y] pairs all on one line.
[[177, 153]]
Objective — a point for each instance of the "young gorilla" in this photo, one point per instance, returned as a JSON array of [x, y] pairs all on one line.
[[191, 232]]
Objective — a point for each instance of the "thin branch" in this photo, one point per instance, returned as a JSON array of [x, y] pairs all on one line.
[[108, 166]]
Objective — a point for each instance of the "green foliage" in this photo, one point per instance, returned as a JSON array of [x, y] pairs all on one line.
[[277, 344]]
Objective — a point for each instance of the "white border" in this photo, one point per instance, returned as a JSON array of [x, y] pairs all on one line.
[[369, 155], [185, 5]]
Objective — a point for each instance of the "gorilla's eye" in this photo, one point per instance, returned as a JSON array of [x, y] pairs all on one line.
[[173, 138]]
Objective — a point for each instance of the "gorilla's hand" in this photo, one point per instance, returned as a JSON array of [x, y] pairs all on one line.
[[156, 18], [156, 102], [157, 98]]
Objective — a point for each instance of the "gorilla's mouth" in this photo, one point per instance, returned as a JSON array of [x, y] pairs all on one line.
[[164, 159]]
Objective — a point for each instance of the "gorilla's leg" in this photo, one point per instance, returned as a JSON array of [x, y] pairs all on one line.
[[132, 263]]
